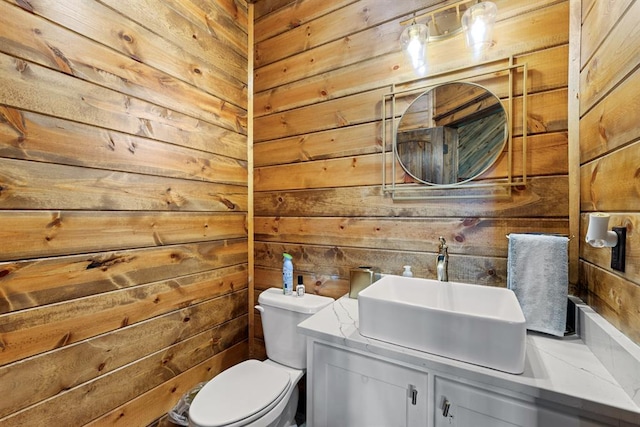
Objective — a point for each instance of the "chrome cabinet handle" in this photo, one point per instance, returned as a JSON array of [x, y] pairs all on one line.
[[445, 407], [413, 393]]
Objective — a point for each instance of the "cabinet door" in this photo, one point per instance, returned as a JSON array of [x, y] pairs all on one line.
[[350, 389], [462, 405]]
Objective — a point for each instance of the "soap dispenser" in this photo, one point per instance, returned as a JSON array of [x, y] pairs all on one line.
[[407, 271]]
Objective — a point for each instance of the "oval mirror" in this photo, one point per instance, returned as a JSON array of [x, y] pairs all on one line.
[[451, 134]]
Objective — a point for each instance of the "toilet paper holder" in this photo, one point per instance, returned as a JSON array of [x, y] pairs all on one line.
[[599, 236]]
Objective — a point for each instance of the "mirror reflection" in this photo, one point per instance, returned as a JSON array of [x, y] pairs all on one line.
[[451, 134]]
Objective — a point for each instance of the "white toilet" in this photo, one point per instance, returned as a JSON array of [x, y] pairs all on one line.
[[262, 394]]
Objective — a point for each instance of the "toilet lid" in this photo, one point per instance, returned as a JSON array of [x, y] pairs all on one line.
[[243, 391]]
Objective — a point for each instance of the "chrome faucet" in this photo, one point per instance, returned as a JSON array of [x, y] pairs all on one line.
[[442, 267]]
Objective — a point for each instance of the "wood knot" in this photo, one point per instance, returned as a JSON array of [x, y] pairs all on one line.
[[56, 223], [228, 203], [25, 5], [126, 37], [21, 66], [470, 222], [64, 340]]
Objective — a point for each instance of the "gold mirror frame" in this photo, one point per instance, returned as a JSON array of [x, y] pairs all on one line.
[[493, 188]]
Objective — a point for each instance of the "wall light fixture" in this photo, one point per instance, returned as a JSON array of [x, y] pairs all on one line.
[[477, 23], [414, 43], [475, 17]]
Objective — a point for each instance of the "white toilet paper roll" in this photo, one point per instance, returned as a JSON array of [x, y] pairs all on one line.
[[598, 235]]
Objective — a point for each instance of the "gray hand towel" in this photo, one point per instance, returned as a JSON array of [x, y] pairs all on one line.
[[538, 273]]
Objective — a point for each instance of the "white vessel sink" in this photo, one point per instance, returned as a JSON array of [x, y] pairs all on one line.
[[472, 323]]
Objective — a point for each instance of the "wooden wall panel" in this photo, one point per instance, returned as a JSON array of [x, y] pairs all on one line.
[[142, 410], [106, 392], [32, 234], [610, 155], [124, 202], [609, 63], [350, 46], [611, 123], [290, 15], [107, 27], [110, 352], [36, 282], [27, 333], [548, 71], [33, 185], [61, 49], [473, 236], [543, 196], [318, 167], [29, 136]]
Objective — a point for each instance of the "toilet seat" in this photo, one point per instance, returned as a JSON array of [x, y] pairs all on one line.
[[240, 395]]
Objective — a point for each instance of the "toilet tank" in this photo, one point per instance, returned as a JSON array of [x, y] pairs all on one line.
[[280, 317]]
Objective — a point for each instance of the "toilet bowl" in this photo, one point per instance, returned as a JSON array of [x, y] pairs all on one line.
[[249, 394], [262, 394]]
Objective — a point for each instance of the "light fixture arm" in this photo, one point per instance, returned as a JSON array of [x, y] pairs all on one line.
[[431, 13]]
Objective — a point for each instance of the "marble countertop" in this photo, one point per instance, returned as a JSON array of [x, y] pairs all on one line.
[[564, 371]]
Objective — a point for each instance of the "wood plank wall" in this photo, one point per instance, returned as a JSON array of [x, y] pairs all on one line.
[[610, 154], [321, 69], [123, 205]]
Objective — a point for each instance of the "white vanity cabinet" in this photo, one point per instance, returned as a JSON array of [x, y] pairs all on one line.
[[355, 381], [350, 389]]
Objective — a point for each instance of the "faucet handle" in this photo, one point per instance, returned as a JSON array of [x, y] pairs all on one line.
[[443, 243]]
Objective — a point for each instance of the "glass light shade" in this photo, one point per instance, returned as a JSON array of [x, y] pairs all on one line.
[[477, 23], [414, 43]]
